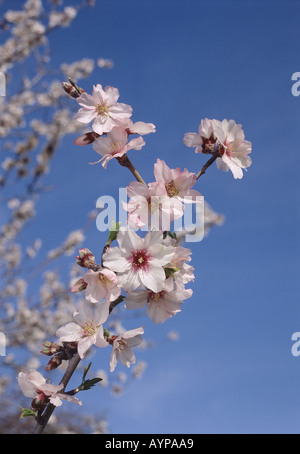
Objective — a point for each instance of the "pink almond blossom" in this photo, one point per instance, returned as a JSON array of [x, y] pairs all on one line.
[[139, 261], [122, 347], [87, 329], [160, 305], [115, 145], [138, 205], [103, 109], [178, 271], [178, 183], [226, 140], [101, 284], [203, 141], [150, 206], [234, 148], [34, 385]]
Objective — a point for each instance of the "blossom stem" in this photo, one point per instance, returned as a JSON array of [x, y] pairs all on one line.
[[205, 167], [114, 303], [125, 162], [43, 419]]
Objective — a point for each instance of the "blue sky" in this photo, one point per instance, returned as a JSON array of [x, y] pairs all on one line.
[[176, 62]]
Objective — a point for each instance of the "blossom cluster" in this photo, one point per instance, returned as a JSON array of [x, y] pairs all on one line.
[[225, 140], [144, 271]]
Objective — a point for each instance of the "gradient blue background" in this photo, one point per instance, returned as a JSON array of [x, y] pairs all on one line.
[[177, 62]]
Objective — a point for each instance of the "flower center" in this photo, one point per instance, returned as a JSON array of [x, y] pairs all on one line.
[[140, 259], [227, 147], [114, 148], [171, 189], [121, 342], [102, 109], [155, 297], [89, 328], [102, 279]]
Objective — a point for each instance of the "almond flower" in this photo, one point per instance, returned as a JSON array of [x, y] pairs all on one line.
[[234, 148], [87, 329], [203, 141], [178, 183], [139, 127], [226, 140], [138, 206], [139, 261], [178, 271], [163, 200], [101, 284], [34, 385], [160, 305], [177, 188], [115, 145], [122, 347], [103, 109], [150, 204]]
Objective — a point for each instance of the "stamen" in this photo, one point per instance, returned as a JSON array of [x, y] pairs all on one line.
[[102, 109], [171, 189], [89, 328]]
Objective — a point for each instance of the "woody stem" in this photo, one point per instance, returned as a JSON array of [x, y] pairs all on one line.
[[42, 420]]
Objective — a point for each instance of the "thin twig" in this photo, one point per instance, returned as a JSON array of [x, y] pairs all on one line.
[[205, 167], [125, 162]]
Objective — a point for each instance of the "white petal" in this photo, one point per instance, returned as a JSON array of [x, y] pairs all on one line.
[[84, 313], [113, 360], [101, 313], [100, 341], [85, 116], [71, 332], [153, 279], [115, 260], [136, 300], [127, 357], [112, 94], [192, 139], [84, 344], [99, 95], [129, 240], [130, 281]]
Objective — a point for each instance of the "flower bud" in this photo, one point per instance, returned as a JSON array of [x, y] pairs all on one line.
[[85, 259], [86, 139], [70, 89], [79, 286], [50, 348], [54, 362]]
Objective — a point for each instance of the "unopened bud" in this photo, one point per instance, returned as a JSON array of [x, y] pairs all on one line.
[[86, 139], [54, 362], [70, 89], [85, 259], [50, 348], [79, 286]]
